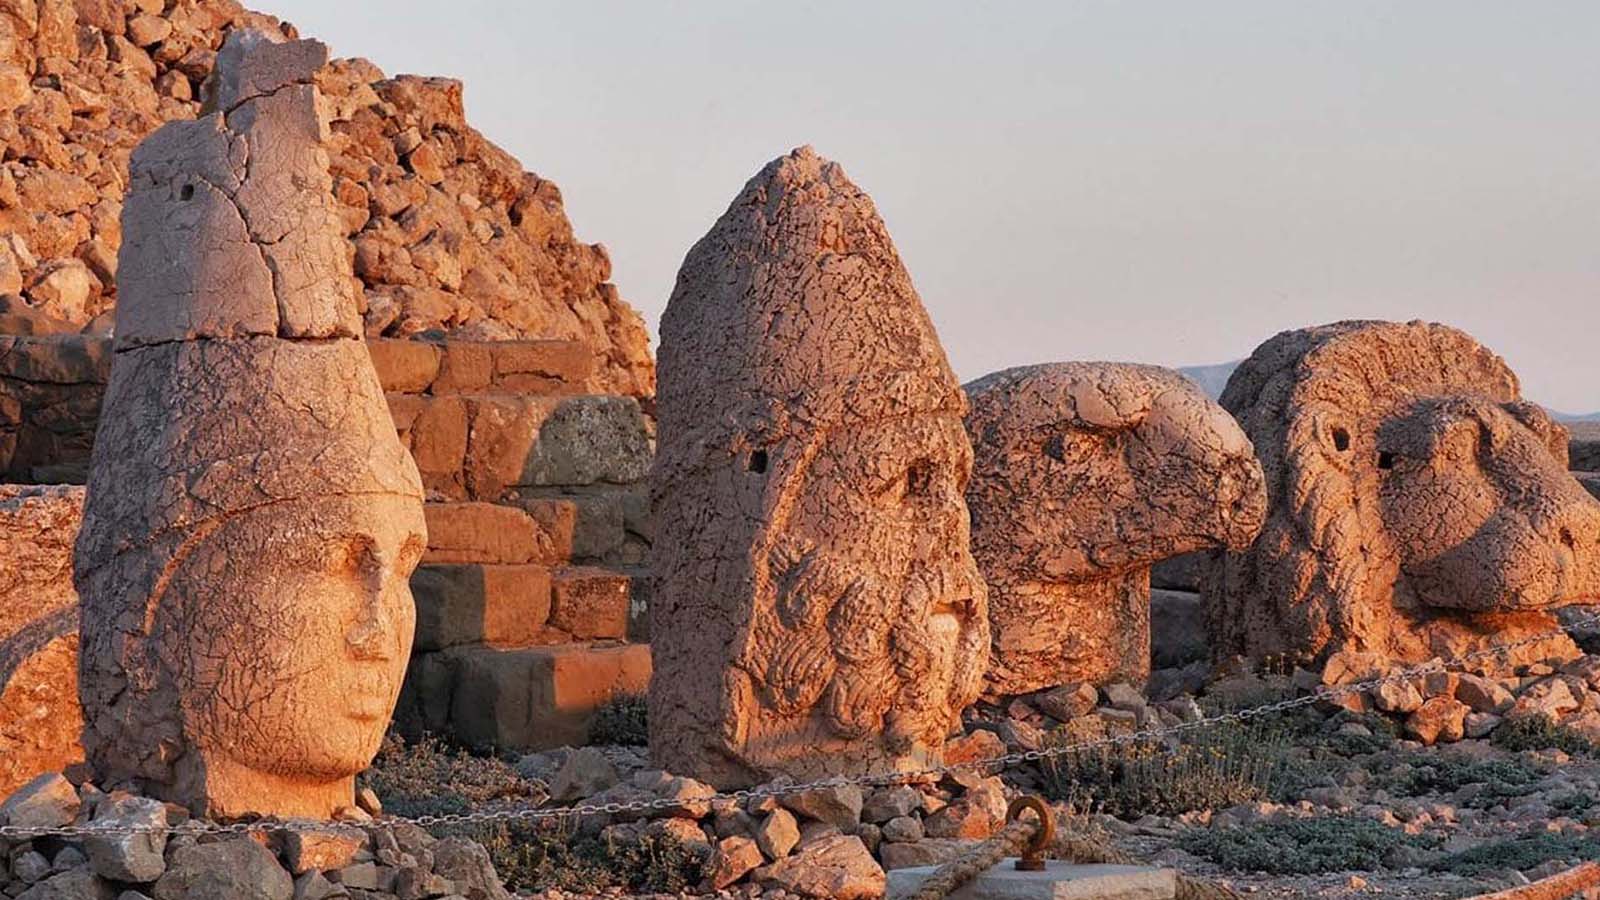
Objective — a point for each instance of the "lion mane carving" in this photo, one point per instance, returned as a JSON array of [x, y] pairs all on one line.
[[1418, 506]]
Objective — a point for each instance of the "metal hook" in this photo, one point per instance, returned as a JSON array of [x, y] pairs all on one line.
[[1032, 858]]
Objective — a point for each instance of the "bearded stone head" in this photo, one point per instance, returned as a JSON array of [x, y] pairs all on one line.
[[1087, 474], [818, 610], [1418, 506]]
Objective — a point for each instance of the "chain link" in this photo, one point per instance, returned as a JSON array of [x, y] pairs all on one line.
[[744, 796]]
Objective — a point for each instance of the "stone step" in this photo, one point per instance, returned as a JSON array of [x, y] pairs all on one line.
[[536, 698], [488, 533], [590, 603], [1057, 881], [482, 445], [610, 523], [472, 603], [453, 367], [526, 605]]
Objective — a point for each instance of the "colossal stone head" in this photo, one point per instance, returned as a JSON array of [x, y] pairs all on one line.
[[252, 520], [1085, 475], [818, 610], [1418, 505]]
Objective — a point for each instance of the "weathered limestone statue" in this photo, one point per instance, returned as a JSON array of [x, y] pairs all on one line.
[[818, 610], [1418, 506], [252, 519], [1084, 475]]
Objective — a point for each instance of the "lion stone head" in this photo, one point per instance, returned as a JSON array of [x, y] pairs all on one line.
[[1418, 507]]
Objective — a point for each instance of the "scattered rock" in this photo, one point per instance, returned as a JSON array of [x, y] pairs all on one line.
[[1551, 698], [233, 869], [1440, 719], [48, 801], [836, 806], [129, 856], [467, 866], [585, 773], [81, 884], [778, 834], [888, 803], [1067, 702], [1484, 695], [732, 859], [836, 867], [305, 851]]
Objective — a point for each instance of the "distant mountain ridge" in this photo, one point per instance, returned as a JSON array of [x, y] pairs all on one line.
[[1213, 378]]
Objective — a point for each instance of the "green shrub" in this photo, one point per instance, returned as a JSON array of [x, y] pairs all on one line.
[[1542, 733], [623, 720], [1446, 773], [1520, 853], [1383, 736], [1300, 846], [533, 858], [1575, 803], [430, 778], [1210, 768]]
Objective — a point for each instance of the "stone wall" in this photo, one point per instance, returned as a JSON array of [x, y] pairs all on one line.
[[39, 717], [530, 601]]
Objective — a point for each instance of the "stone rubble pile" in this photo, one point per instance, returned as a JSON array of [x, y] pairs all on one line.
[[1440, 707], [362, 861], [448, 234], [823, 843]]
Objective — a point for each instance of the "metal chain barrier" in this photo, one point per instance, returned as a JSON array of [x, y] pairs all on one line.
[[992, 764]]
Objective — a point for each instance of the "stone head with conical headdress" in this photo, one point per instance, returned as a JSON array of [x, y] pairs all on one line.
[[252, 520]]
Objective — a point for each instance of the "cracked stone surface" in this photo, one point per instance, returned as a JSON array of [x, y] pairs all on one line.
[[252, 519], [451, 236], [1085, 475], [1418, 506], [232, 216], [818, 610], [39, 718]]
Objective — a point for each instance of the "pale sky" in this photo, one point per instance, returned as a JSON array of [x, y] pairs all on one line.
[[1163, 182]]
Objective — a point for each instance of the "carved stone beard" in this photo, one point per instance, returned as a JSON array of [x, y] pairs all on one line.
[[869, 662]]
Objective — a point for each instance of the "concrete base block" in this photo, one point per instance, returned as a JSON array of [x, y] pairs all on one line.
[[1058, 881]]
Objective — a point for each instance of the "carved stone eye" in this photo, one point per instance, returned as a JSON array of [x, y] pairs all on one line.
[[1385, 460], [919, 479], [1056, 448]]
